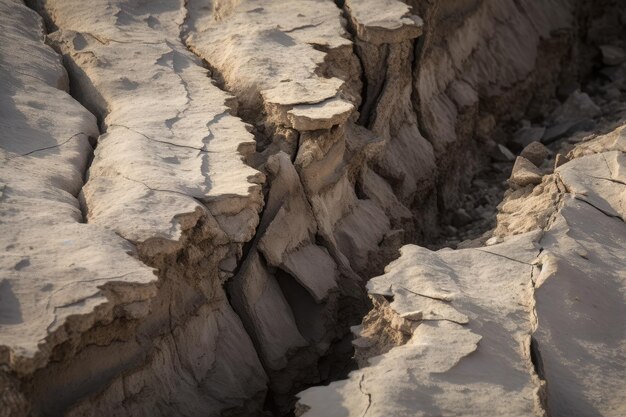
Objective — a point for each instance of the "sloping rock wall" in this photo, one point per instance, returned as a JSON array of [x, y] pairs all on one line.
[[527, 325]]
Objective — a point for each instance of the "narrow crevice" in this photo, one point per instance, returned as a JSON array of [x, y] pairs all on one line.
[[364, 119], [613, 180], [371, 100], [336, 362], [535, 357], [367, 394], [537, 366], [306, 311], [533, 345], [93, 142]]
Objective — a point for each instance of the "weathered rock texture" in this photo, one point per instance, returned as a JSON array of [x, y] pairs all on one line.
[[86, 323], [256, 161], [529, 326]]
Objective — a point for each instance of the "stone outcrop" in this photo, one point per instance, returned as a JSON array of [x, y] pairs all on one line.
[[527, 326], [86, 322], [467, 351], [194, 193]]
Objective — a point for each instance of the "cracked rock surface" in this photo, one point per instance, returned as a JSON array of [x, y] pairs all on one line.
[[196, 194], [528, 326], [55, 267], [83, 311], [467, 353]]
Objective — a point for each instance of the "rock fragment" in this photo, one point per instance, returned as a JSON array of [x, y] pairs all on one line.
[[559, 160], [578, 106], [525, 173], [383, 22], [612, 55], [526, 135], [536, 153]]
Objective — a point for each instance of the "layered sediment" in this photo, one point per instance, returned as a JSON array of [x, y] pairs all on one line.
[[216, 182], [523, 326]]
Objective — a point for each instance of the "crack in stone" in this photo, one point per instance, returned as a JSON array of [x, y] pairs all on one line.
[[618, 217], [608, 166], [58, 145], [300, 27], [164, 191], [616, 181], [367, 394], [201, 150], [29, 75], [106, 41], [425, 296], [444, 319], [503, 256]]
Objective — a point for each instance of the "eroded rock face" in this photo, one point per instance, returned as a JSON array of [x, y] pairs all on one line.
[[255, 163], [473, 303], [532, 332], [87, 324]]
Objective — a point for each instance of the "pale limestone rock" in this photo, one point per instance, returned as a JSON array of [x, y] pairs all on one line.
[[277, 51], [324, 115], [383, 21], [161, 149], [555, 294], [54, 267], [580, 305], [525, 173], [168, 176], [599, 180], [422, 377], [308, 91], [314, 269], [612, 141]]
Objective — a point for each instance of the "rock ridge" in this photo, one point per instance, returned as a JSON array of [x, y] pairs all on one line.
[[241, 168]]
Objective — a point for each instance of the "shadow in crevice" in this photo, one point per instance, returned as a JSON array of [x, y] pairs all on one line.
[[10, 308]]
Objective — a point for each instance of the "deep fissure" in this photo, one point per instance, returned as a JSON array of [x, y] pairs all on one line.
[[453, 227]]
